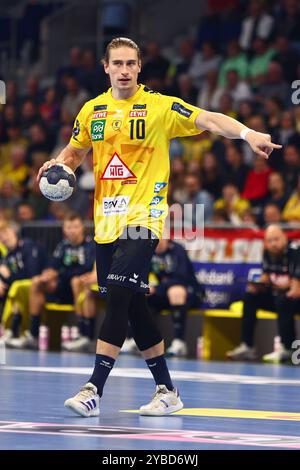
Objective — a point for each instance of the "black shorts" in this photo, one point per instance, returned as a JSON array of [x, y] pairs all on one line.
[[63, 293], [126, 261]]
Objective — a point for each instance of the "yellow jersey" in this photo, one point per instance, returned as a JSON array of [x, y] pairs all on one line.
[[130, 142]]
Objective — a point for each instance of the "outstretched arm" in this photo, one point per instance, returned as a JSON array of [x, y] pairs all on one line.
[[70, 156], [233, 129]]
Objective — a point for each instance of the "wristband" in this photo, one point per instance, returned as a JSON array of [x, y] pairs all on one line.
[[244, 132]]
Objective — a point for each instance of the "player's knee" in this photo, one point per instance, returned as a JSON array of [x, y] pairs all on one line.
[[177, 295]]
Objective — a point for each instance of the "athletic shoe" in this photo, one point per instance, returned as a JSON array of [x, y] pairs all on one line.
[[86, 402], [276, 357], [177, 349], [129, 346], [27, 341], [81, 344], [164, 402], [242, 353], [7, 336]]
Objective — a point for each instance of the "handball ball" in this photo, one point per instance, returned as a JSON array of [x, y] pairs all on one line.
[[58, 182]]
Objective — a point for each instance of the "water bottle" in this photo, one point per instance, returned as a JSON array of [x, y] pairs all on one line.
[[65, 334], [200, 345], [74, 333], [43, 338]]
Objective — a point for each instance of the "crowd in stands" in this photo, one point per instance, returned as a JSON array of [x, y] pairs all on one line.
[[242, 62]]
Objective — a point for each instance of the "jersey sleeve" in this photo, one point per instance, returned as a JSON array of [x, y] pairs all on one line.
[[80, 136], [179, 117]]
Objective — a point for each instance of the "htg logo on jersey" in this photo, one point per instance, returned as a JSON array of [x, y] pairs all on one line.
[[156, 200], [156, 213], [97, 129], [159, 186]]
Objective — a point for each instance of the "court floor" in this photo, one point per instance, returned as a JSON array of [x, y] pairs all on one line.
[[226, 406]]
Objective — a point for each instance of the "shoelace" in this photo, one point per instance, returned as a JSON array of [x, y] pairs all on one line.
[[158, 393], [86, 392]]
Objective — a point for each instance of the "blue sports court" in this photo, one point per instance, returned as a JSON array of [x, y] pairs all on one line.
[[226, 406]]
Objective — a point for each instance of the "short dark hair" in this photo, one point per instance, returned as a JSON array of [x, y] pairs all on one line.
[[70, 216]]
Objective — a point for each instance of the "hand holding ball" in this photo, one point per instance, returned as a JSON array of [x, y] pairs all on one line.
[[57, 182]]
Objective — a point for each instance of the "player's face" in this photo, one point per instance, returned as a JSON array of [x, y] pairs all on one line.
[[73, 231], [123, 68], [275, 243]]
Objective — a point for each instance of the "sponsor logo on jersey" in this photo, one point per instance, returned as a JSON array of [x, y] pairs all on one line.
[[116, 277], [115, 205], [129, 182], [179, 108], [76, 129], [156, 213], [156, 200], [144, 285], [134, 278], [99, 115], [142, 113], [100, 107], [102, 290], [158, 186], [97, 130], [116, 169], [139, 106], [116, 124]]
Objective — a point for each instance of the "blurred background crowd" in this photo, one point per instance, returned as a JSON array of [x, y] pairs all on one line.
[[243, 61]]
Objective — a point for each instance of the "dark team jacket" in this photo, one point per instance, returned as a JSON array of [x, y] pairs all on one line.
[[175, 266], [24, 262], [73, 260], [283, 268]]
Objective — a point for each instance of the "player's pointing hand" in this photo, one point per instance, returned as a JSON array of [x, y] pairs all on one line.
[[261, 143]]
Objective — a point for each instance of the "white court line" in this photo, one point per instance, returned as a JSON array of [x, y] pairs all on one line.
[[141, 373]]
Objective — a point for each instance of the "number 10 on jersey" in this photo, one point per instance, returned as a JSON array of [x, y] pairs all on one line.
[[137, 129]]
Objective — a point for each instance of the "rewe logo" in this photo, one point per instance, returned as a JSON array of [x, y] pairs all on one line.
[[116, 169]]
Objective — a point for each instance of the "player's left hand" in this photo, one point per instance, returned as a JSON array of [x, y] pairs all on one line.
[[261, 143]]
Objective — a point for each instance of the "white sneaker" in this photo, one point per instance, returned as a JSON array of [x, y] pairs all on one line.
[[86, 402], [7, 335], [276, 357], [164, 402], [178, 348], [27, 341], [129, 346], [242, 353], [80, 344]]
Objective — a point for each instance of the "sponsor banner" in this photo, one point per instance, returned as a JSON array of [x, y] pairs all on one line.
[[223, 260]]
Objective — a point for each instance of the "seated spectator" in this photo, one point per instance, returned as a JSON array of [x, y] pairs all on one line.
[[91, 75], [15, 139], [12, 96], [271, 214], [186, 90], [155, 68], [86, 310], [74, 256], [235, 60], [211, 174], [277, 191], [291, 166], [208, 96], [192, 197], [236, 88], [259, 64], [32, 91], [289, 20], [25, 213], [9, 198], [194, 147], [273, 110], [39, 141], [245, 111], [29, 117], [74, 66], [16, 170], [232, 203], [287, 56], [205, 60], [286, 133], [74, 98], [291, 211], [63, 139], [226, 105], [236, 170], [258, 23], [274, 84], [278, 289], [181, 64], [256, 184], [23, 260], [49, 107]]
